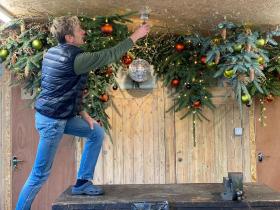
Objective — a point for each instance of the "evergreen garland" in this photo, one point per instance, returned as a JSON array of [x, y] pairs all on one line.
[[189, 64]]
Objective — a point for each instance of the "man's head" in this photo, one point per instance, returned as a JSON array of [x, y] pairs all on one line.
[[67, 29]]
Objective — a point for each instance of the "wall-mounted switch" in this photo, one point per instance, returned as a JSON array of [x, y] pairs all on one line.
[[238, 131]]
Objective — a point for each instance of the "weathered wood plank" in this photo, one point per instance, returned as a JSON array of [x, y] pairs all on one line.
[[137, 138], [181, 133], [118, 140], [160, 162], [148, 140], [128, 142], [108, 153], [5, 142], [170, 166]]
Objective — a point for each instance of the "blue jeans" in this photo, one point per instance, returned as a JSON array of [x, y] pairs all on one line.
[[51, 131]]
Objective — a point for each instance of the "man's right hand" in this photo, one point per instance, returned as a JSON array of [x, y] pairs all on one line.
[[142, 31]]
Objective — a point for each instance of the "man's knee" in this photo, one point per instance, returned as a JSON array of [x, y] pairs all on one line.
[[98, 133], [38, 177]]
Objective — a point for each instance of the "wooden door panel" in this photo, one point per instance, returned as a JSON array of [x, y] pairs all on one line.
[[24, 145], [268, 142]]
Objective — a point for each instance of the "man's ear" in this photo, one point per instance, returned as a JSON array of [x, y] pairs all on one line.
[[69, 38]]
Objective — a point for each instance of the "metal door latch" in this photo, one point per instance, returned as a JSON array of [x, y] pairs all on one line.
[[15, 161], [260, 157]]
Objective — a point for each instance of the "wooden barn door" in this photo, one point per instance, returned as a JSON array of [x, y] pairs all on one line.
[[24, 146], [153, 146]]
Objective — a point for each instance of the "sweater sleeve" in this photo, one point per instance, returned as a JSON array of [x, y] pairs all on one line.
[[88, 61]]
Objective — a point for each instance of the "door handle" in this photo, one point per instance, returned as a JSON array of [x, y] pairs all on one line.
[[261, 156], [15, 162]]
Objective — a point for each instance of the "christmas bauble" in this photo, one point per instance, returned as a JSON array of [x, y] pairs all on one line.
[[260, 60], [109, 71], [104, 98], [228, 73], [245, 98], [139, 70], [179, 47], [248, 104], [197, 104], [175, 82], [115, 87], [203, 59], [211, 65], [4, 54], [269, 98], [260, 42], [216, 40], [107, 28], [37, 44], [127, 59], [188, 86], [237, 47]]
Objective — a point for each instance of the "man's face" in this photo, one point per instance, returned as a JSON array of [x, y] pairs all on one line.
[[78, 38]]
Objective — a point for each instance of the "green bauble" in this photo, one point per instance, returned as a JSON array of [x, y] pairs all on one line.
[[261, 60], [37, 44], [245, 98], [229, 73], [4, 54], [260, 42], [237, 47], [211, 65]]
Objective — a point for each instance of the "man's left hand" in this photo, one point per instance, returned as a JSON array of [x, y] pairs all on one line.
[[87, 118]]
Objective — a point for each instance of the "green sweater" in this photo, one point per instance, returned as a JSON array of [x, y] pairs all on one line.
[[88, 61]]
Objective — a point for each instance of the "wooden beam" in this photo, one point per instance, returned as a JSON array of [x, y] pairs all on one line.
[[5, 143]]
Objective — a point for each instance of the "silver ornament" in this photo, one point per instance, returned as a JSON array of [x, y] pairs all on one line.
[[139, 70]]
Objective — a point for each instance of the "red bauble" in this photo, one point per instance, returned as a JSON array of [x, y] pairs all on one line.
[[196, 104], [203, 59], [175, 82], [104, 98], [180, 47], [127, 59], [109, 71], [269, 98], [107, 28]]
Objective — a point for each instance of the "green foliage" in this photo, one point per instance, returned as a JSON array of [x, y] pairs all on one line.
[[248, 61]]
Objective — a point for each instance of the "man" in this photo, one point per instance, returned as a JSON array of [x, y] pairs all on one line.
[[64, 75]]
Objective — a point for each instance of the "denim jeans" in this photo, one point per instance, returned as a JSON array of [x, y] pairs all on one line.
[[51, 131]]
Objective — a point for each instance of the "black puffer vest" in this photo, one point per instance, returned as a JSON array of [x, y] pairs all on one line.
[[62, 89]]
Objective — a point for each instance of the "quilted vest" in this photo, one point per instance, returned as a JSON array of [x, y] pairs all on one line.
[[62, 89]]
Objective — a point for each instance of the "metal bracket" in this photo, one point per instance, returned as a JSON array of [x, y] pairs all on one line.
[[150, 206]]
